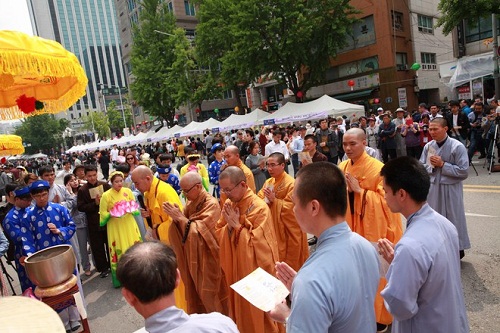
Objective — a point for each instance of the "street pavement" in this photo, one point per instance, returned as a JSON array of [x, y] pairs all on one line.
[[108, 311]]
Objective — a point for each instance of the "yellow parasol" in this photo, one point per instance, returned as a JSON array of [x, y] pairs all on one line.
[[37, 69], [11, 145]]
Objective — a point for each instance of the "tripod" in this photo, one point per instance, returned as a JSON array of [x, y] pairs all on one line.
[[494, 144], [7, 276]]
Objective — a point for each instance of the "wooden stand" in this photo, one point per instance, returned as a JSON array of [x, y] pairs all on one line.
[[67, 298]]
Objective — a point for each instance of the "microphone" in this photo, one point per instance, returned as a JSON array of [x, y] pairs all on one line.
[[140, 198]]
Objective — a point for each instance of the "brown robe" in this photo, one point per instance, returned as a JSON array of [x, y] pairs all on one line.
[[241, 252], [292, 241], [372, 218], [198, 258]]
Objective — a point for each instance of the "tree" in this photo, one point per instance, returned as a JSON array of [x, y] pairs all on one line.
[[453, 12], [43, 132], [277, 38], [97, 122], [157, 84], [115, 117]]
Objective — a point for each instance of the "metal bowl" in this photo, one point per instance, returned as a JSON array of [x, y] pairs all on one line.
[[51, 266]]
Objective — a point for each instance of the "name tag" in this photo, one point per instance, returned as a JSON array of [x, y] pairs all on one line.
[[426, 139]]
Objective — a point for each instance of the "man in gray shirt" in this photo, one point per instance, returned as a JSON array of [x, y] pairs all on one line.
[[148, 273], [424, 291]]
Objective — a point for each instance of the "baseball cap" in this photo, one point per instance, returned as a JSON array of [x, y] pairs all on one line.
[[380, 109], [216, 147], [39, 185]]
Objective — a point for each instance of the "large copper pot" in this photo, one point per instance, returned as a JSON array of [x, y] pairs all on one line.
[[51, 266]]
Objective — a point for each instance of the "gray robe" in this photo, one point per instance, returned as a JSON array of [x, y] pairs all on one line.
[[400, 140], [446, 195]]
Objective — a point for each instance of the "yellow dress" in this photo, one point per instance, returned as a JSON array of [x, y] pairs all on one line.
[[123, 232]]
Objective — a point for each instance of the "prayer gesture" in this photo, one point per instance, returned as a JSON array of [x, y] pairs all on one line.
[[352, 183], [386, 249], [231, 215], [437, 161], [269, 193], [173, 211], [285, 274]]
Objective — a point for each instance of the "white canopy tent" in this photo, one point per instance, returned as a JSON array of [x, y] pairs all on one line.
[[235, 121], [195, 127], [468, 68], [163, 134], [319, 108]]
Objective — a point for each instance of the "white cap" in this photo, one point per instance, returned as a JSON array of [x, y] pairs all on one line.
[[380, 109]]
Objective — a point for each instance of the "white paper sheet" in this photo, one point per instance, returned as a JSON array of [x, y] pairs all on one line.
[[261, 289]]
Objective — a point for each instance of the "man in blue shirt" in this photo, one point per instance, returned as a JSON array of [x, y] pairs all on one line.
[[424, 291], [335, 289]]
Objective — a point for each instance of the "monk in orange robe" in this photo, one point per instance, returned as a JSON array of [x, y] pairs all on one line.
[[367, 211], [277, 193], [193, 238], [247, 241], [156, 192]]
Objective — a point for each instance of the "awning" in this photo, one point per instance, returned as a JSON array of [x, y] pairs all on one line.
[[354, 94]]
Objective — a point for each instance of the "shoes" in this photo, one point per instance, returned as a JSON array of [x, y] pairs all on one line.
[[482, 156], [382, 328], [88, 272], [462, 254], [75, 325], [104, 274]]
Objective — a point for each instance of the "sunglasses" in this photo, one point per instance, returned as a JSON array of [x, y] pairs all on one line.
[[130, 158]]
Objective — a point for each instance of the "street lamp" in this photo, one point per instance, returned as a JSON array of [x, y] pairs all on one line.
[[121, 100]]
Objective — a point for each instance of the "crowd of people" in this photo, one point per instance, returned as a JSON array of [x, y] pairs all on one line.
[[200, 228]]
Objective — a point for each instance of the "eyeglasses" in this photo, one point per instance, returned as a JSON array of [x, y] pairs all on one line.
[[40, 195], [130, 158], [273, 165], [187, 191], [229, 191]]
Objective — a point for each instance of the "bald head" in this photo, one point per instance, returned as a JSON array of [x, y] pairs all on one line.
[[142, 171], [234, 174], [358, 133], [189, 179], [232, 149], [232, 155]]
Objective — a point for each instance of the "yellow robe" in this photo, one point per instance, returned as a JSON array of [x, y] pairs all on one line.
[[158, 193], [241, 252], [202, 171], [198, 257], [292, 241], [372, 218], [249, 180]]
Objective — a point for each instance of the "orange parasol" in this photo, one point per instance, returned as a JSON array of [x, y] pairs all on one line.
[[37, 76]]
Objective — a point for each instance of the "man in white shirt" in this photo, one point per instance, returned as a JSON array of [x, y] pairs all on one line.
[[278, 146], [153, 264], [114, 154]]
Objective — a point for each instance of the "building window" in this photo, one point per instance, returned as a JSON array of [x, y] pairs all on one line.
[[401, 62], [397, 20], [480, 30], [190, 11], [228, 94], [170, 7], [428, 61], [425, 24], [131, 5]]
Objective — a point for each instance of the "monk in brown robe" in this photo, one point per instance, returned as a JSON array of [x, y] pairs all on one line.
[[277, 193], [193, 238], [247, 241], [367, 211]]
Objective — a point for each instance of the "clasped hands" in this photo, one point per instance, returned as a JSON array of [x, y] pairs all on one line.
[[231, 215], [286, 275]]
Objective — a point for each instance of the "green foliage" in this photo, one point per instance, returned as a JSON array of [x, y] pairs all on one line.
[[278, 38], [157, 85], [115, 117], [43, 132], [97, 122], [454, 11]]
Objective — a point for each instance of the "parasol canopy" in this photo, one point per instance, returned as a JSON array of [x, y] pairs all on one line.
[[37, 69], [11, 145]]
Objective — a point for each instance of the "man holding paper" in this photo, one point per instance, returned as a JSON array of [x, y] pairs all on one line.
[[447, 163], [424, 291], [277, 192], [247, 241], [88, 199], [335, 289]]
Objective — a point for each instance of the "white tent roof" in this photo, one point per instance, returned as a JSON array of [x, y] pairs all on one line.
[[243, 121], [319, 108], [195, 127], [163, 134], [470, 68]]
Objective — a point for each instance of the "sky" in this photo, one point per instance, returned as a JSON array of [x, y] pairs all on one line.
[[14, 15]]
